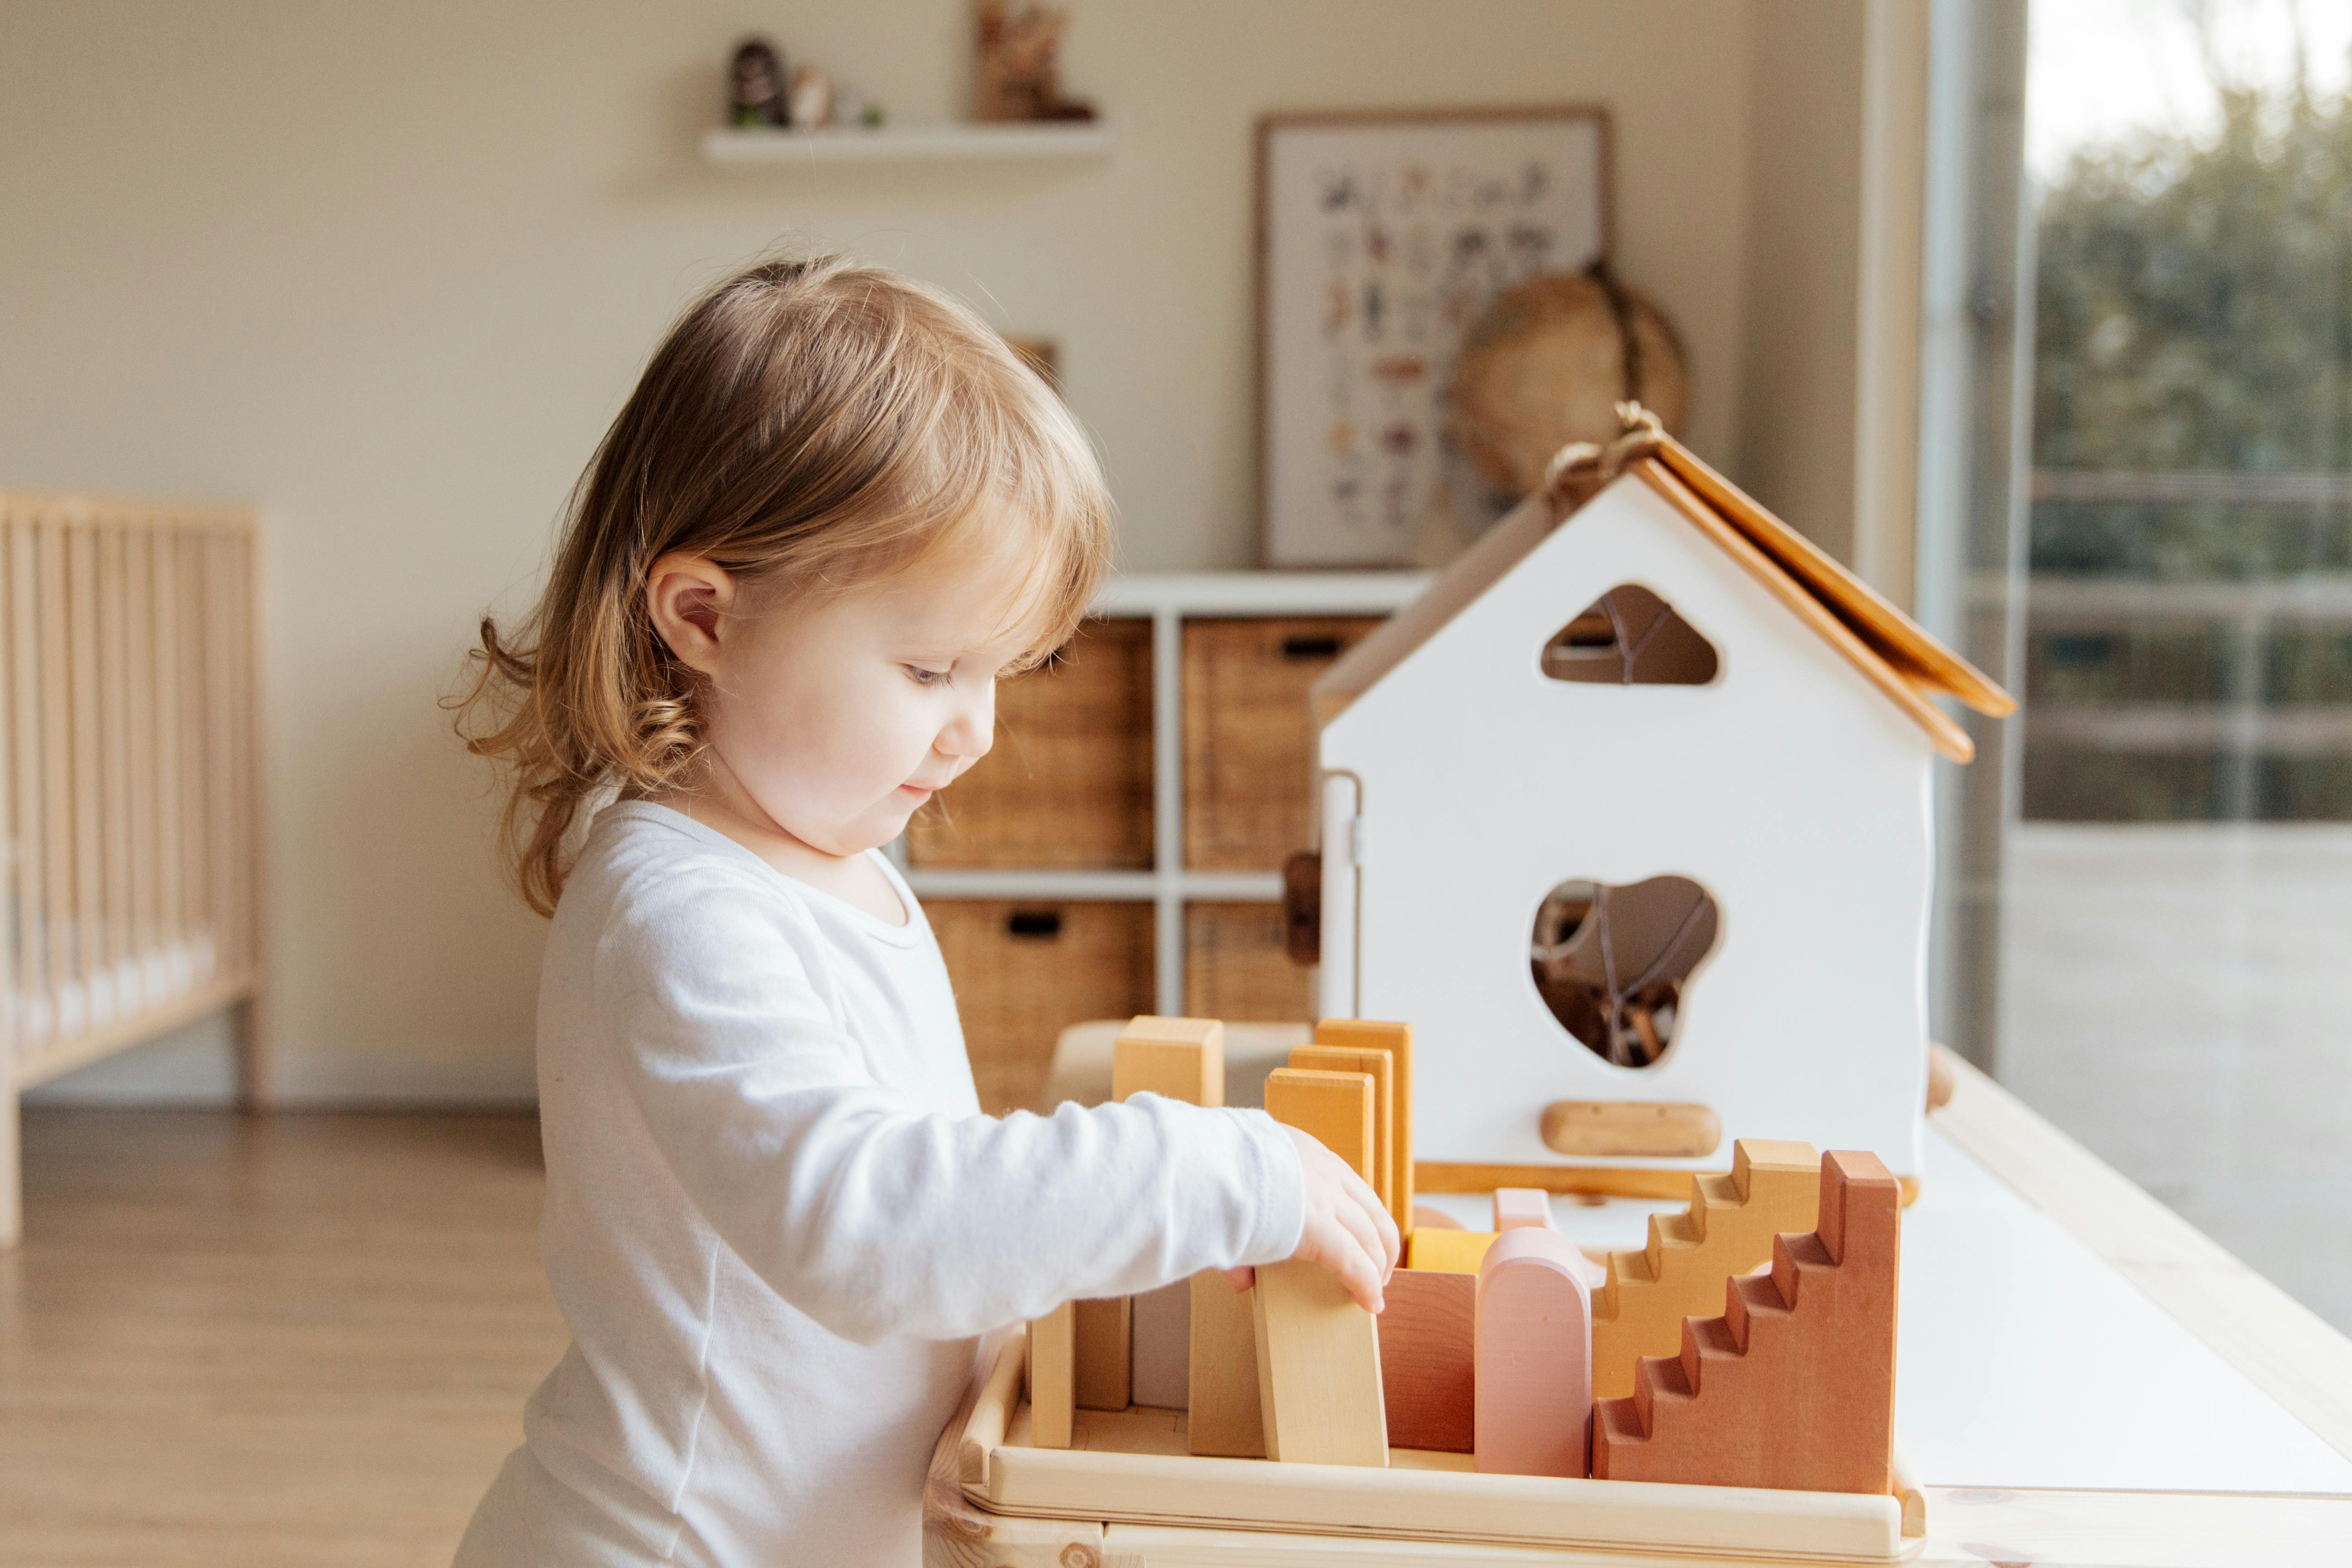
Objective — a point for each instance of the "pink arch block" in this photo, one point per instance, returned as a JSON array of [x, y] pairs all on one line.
[[1533, 1411]]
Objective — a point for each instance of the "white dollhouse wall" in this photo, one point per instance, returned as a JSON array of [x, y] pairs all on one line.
[[1465, 784]]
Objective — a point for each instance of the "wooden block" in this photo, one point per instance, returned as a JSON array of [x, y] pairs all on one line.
[[1534, 1402], [1396, 1038], [1103, 1330], [1053, 1376], [1793, 1387], [1448, 1251], [1335, 1109], [1428, 1359], [1318, 1368], [1518, 1206], [1221, 1382], [1382, 1067], [1163, 1347], [1319, 1353], [1726, 1230], [1184, 1059]]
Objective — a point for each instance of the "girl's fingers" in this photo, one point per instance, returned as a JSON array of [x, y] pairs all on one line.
[[1241, 1278], [1340, 1250], [1358, 1222]]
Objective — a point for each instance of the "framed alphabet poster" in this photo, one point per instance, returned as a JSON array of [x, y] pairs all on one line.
[[1381, 237]]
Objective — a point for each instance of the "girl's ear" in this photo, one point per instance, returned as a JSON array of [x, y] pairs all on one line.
[[690, 598]]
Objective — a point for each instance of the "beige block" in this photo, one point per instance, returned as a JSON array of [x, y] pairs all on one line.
[[1221, 1383], [1052, 1376], [1319, 1369]]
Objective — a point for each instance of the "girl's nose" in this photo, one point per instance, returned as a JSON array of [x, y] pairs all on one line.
[[972, 729]]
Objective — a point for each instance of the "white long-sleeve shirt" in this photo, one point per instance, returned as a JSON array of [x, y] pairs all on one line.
[[776, 1219]]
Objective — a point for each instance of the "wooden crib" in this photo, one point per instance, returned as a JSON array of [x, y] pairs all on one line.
[[130, 787]]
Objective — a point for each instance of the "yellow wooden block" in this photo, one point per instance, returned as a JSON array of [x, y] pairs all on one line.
[[1728, 1228], [1335, 1109], [1382, 1068], [1396, 1038], [1221, 1384], [1448, 1251], [1052, 1376], [1184, 1059], [1319, 1370]]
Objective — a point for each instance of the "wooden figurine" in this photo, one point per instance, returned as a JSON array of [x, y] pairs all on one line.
[[1052, 1376], [1523, 650], [756, 98], [1382, 1065], [1793, 1386], [1396, 1038], [1428, 1331], [1182, 1059], [1728, 1229], [1534, 1401], [1020, 73], [1319, 1356], [1518, 1206]]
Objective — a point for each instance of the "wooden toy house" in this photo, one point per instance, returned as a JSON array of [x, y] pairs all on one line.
[[1629, 814]]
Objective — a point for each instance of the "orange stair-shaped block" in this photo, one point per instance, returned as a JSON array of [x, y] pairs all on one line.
[[1794, 1386], [1728, 1229]]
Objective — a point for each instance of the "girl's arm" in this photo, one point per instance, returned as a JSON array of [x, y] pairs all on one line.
[[873, 1214]]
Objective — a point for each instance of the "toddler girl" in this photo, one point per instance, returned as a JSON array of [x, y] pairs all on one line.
[[835, 512]]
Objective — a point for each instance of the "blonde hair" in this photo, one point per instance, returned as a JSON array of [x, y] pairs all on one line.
[[819, 423]]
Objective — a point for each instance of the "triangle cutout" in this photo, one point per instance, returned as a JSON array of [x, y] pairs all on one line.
[[1630, 637]]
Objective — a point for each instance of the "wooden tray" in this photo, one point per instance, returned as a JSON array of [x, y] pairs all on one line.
[[1130, 1466]]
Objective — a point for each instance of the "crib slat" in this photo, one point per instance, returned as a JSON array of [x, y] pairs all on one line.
[[220, 729], [57, 754], [27, 828], [172, 924], [139, 757], [113, 756]]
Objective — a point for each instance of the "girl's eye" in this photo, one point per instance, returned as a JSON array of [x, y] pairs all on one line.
[[923, 677]]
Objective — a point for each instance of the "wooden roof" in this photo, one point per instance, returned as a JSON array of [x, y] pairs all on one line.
[[1892, 651]]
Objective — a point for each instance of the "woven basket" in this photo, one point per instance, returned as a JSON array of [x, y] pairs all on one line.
[[1249, 742], [1236, 966], [1069, 782], [1025, 968]]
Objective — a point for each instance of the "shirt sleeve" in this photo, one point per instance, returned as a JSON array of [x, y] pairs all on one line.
[[879, 1217]]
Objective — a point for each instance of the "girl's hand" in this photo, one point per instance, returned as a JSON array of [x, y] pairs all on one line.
[[1346, 1231]]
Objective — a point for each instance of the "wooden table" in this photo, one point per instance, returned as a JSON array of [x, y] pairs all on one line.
[[2080, 1421]]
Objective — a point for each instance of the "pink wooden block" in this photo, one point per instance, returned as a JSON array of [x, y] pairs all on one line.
[[1534, 1405], [1518, 1206]]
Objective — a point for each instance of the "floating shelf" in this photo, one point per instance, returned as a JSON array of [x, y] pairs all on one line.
[[909, 144]]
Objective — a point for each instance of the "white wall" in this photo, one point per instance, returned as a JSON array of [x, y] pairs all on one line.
[[386, 270]]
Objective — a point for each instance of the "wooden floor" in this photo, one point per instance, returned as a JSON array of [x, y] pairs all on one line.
[[302, 1339]]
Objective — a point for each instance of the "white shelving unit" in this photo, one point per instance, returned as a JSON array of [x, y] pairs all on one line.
[[946, 142], [1167, 600]]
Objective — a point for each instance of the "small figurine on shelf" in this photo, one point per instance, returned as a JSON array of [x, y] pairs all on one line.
[[812, 97], [1019, 78], [755, 88]]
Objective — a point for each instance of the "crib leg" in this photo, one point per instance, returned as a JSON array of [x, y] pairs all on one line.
[[256, 1083], [12, 1166]]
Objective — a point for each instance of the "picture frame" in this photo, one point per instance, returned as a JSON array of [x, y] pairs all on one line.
[[1382, 236]]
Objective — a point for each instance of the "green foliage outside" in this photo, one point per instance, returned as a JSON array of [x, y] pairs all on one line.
[[2194, 311]]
